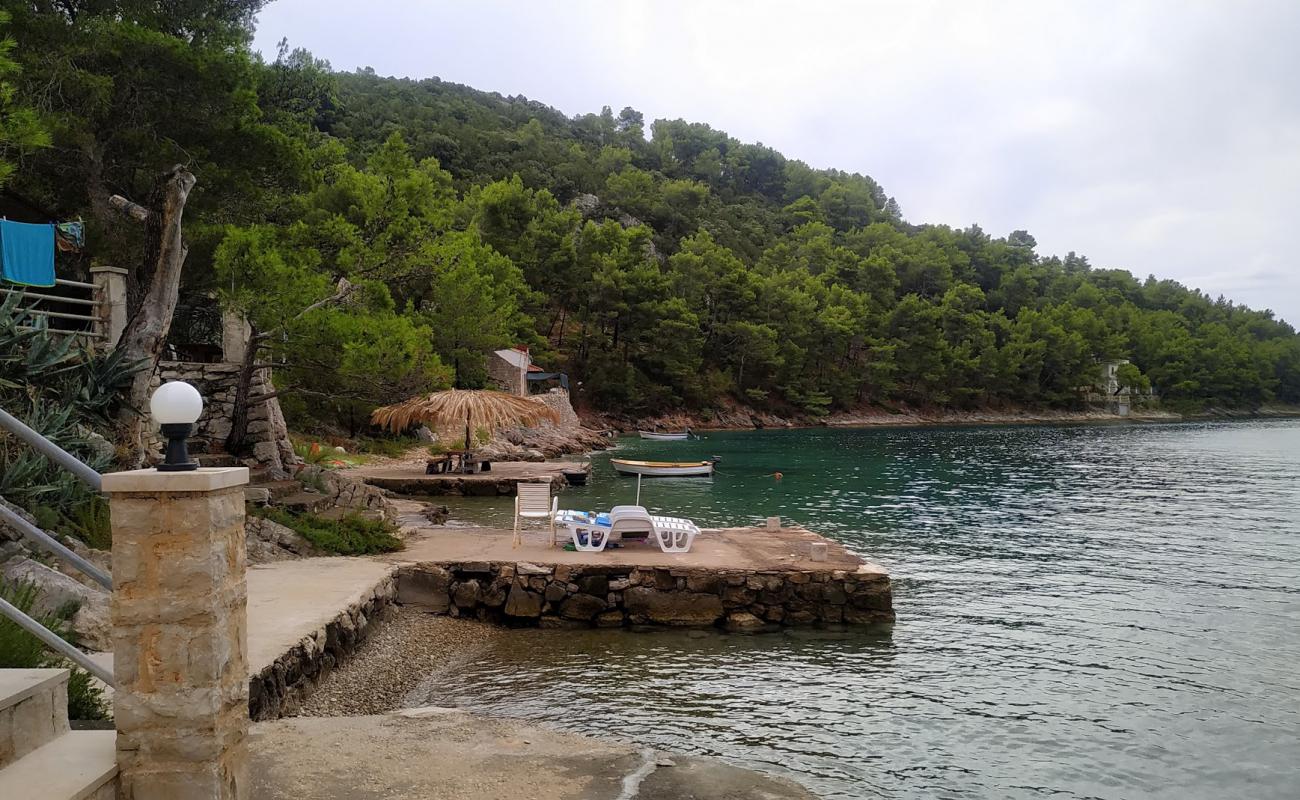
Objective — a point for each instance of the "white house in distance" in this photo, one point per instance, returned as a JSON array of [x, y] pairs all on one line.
[[1114, 397]]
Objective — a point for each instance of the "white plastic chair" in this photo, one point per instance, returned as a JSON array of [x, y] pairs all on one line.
[[534, 501]]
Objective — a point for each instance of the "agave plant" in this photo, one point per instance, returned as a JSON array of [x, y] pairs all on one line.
[[62, 389]]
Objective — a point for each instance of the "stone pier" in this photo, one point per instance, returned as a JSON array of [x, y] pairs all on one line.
[[180, 633], [737, 578]]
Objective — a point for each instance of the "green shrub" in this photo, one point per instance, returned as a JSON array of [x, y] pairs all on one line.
[[312, 452], [91, 523], [394, 447], [21, 650], [351, 535]]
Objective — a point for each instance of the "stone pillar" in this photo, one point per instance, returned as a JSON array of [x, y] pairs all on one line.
[[110, 294], [235, 336], [180, 633]]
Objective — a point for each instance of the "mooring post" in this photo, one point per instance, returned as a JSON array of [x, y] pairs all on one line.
[[180, 633]]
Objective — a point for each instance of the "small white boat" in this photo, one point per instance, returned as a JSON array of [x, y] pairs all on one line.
[[665, 437], [663, 469]]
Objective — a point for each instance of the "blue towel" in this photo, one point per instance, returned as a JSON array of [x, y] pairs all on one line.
[[27, 253]]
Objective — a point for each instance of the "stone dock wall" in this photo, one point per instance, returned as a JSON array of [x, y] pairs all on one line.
[[452, 485], [609, 596], [280, 688]]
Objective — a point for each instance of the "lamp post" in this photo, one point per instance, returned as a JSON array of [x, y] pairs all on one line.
[[176, 406]]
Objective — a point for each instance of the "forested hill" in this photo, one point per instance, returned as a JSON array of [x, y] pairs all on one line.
[[661, 264]]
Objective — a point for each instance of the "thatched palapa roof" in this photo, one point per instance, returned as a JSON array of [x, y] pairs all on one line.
[[479, 408]]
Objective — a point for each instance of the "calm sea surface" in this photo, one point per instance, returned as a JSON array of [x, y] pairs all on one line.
[[1083, 612]]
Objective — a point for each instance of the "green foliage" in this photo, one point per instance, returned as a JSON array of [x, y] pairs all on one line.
[[65, 391], [658, 272], [387, 446], [92, 524], [21, 650], [312, 452], [21, 130], [350, 535]]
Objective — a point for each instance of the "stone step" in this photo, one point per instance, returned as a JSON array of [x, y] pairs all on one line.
[[33, 711], [79, 765], [278, 489], [308, 502], [339, 512], [216, 460]]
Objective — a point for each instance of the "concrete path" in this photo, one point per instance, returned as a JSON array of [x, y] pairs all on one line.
[[445, 754], [288, 600]]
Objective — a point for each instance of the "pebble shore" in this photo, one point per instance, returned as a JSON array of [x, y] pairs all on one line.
[[394, 660]]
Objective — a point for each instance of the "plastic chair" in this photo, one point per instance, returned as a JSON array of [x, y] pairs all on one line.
[[534, 501]]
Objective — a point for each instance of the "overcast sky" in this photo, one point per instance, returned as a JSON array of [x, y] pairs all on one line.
[[1158, 137]]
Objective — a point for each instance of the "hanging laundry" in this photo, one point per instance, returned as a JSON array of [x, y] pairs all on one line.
[[70, 237], [27, 253]]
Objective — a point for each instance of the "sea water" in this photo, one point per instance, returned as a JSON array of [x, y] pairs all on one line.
[[1083, 612]]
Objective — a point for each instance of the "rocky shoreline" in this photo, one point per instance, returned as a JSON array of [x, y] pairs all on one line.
[[737, 417], [403, 652]]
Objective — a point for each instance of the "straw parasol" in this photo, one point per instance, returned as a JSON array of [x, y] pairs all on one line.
[[479, 408]]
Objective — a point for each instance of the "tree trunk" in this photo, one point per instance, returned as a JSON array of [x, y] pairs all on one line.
[[235, 441], [146, 332]]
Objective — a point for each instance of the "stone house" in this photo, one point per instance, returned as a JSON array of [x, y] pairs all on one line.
[[508, 370]]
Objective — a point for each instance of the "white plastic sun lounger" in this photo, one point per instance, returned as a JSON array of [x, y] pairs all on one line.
[[673, 534], [586, 534]]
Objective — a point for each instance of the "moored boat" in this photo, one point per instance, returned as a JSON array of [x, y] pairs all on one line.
[[663, 469], [665, 437]]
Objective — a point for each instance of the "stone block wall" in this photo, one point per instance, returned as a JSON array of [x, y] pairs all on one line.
[[563, 596], [267, 429], [558, 401], [506, 376], [280, 688]]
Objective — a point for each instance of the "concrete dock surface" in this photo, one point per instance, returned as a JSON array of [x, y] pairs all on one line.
[[409, 478]]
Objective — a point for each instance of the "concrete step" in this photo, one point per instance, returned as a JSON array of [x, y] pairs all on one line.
[[33, 711], [79, 765]]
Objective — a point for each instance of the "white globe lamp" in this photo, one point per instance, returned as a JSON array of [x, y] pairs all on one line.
[[176, 406]]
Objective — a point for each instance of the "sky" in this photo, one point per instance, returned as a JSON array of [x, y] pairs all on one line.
[[1158, 137]]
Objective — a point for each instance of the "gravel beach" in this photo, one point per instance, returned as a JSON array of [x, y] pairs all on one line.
[[394, 660]]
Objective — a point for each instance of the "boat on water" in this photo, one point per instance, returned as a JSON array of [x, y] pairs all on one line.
[[663, 469], [665, 437]]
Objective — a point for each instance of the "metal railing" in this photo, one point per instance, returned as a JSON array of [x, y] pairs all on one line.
[[44, 540], [92, 317]]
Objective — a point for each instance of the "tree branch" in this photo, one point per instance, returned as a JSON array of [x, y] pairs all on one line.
[[135, 211]]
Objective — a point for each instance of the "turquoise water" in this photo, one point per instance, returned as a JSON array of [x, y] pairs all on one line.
[[1083, 612]]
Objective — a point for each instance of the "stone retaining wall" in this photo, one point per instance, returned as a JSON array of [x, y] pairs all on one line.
[[267, 432], [280, 688], [562, 596]]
